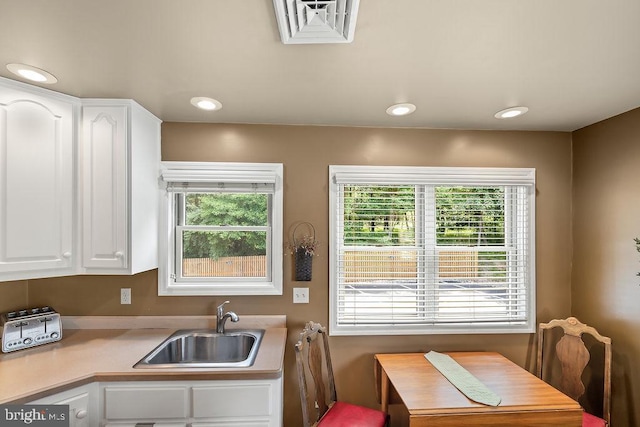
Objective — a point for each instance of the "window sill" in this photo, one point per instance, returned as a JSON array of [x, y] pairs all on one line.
[[217, 288]]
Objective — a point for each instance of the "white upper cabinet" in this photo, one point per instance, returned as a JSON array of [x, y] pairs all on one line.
[[120, 152], [37, 137], [78, 184]]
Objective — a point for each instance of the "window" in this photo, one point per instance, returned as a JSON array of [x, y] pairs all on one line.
[[222, 229], [431, 250]]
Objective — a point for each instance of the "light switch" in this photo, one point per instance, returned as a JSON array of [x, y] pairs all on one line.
[[301, 295]]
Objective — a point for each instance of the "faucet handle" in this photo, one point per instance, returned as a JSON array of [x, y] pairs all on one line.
[[221, 307]]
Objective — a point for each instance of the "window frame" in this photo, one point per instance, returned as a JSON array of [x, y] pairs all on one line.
[[398, 175], [208, 174]]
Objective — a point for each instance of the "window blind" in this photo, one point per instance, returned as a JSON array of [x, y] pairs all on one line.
[[431, 257], [222, 180]]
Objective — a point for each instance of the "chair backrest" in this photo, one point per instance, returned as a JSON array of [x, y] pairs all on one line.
[[573, 355], [315, 373]]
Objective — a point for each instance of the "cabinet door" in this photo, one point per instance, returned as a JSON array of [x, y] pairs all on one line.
[[104, 187], [83, 405], [36, 183], [78, 410]]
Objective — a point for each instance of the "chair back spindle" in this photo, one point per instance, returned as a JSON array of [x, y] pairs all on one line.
[[315, 367], [573, 357]]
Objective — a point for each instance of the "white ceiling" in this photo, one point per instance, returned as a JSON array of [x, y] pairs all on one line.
[[572, 62]]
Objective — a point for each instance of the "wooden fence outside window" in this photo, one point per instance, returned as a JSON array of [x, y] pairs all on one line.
[[237, 266], [359, 265]]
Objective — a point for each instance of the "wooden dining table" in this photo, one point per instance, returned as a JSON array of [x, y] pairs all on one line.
[[431, 400]]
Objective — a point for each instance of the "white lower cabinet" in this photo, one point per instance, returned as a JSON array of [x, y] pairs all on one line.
[[83, 404], [241, 403]]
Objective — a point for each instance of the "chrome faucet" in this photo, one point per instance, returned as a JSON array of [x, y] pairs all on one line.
[[222, 318]]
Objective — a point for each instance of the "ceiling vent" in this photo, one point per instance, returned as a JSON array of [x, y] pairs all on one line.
[[316, 21]]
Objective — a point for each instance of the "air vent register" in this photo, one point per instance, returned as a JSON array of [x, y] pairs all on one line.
[[316, 21]]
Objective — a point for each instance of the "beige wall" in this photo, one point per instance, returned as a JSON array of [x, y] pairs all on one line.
[[13, 295], [306, 153], [605, 288]]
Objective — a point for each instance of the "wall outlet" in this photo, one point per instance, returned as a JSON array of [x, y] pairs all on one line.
[[301, 295], [125, 296]]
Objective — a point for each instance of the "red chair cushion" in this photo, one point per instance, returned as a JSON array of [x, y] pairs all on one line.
[[589, 420], [343, 414]]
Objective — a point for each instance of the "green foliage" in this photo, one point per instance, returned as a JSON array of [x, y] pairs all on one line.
[[470, 216], [385, 216], [231, 209], [379, 216]]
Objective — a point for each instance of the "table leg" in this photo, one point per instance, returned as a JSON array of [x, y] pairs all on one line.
[[382, 384], [384, 391]]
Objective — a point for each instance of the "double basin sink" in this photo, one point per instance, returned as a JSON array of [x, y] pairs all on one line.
[[205, 348]]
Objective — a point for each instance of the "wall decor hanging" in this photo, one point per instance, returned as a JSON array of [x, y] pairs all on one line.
[[303, 248]]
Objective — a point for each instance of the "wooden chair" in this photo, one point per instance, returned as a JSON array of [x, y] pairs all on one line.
[[320, 407], [573, 357]]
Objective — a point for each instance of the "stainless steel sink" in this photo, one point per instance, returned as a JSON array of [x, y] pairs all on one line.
[[205, 348]]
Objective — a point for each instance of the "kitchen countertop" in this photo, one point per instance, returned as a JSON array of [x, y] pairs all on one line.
[[87, 355]]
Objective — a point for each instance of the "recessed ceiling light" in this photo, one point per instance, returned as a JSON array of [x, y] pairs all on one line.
[[510, 113], [401, 109], [205, 103], [32, 73]]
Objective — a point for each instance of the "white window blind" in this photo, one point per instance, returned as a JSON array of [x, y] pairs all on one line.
[[451, 251]]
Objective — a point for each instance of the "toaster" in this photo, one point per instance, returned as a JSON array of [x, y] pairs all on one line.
[[28, 328]]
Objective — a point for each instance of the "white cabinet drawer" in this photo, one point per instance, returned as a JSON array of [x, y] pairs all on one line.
[[232, 400], [142, 424], [145, 403], [265, 423]]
